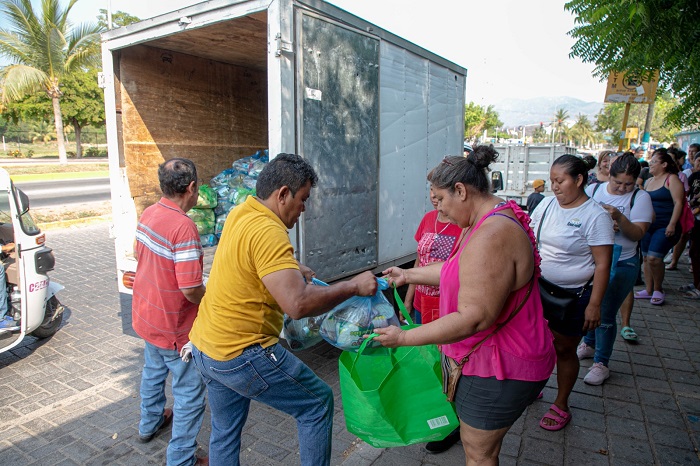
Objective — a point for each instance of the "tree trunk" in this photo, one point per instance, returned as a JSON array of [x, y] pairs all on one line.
[[58, 120], [78, 144]]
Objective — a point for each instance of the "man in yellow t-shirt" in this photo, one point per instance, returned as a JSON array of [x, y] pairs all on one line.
[[254, 280]]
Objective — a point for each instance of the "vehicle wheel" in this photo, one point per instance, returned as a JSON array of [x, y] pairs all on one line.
[[49, 327]]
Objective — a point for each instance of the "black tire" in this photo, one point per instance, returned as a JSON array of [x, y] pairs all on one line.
[[49, 327]]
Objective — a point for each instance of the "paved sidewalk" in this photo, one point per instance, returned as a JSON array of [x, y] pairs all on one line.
[[73, 399]]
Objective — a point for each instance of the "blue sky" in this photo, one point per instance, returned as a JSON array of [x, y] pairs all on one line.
[[511, 48]]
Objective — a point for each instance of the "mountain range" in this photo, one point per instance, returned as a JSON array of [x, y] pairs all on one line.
[[516, 112]]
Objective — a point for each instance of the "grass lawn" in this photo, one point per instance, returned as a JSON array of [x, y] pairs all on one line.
[[37, 169], [34, 172]]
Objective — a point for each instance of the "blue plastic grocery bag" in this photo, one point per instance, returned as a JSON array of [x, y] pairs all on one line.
[[345, 325]]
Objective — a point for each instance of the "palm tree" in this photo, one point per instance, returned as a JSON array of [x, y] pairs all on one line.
[[560, 117], [44, 47], [582, 131]]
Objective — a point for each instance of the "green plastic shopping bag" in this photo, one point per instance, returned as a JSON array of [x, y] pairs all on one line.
[[393, 396]]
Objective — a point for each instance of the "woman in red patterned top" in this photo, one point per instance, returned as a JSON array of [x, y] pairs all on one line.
[[435, 236]]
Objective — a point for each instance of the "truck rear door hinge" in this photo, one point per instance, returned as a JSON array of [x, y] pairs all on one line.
[[283, 46]]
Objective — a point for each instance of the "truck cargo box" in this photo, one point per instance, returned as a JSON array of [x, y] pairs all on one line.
[[219, 80]]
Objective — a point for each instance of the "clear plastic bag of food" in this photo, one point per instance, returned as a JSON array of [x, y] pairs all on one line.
[[303, 333], [204, 219], [222, 178], [208, 240], [239, 195], [220, 221], [223, 207], [207, 198], [345, 325]]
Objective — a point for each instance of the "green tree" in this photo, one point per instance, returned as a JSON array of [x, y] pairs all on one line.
[[82, 104], [560, 117], [44, 47], [478, 118], [641, 36], [119, 19], [662, 129], [539, 135], [582, 132]]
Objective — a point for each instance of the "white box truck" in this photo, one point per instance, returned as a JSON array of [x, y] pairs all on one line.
[[218, 80], [519, 165]]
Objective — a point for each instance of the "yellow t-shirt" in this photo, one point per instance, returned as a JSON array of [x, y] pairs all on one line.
[[237, 311]]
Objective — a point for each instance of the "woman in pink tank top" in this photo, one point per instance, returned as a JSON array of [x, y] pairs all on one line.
[[488, 284]]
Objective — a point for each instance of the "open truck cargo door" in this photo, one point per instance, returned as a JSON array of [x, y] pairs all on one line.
[[338, 113]]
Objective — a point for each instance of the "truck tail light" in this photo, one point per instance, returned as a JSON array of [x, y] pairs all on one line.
[[128, 279]]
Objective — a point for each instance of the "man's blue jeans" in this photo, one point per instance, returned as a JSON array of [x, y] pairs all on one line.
[[277, 378], [603, 338], [188, 409]]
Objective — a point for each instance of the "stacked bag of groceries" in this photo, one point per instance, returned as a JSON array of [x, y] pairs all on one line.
[[226, 190]]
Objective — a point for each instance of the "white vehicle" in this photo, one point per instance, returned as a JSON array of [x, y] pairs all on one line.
[[219, 80], [32, 303], [518, 166]]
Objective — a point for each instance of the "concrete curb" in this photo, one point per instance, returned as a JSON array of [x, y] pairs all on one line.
[[74, 222], [59, 176]]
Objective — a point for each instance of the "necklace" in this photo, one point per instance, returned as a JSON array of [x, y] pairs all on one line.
[[441, 231]]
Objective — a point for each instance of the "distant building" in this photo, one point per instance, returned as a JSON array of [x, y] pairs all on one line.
[[686, 138]]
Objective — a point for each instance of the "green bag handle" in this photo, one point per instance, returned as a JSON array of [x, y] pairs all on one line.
[[402, 306], [404, 312]]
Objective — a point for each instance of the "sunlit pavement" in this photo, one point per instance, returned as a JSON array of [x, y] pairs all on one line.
[[73, 399]]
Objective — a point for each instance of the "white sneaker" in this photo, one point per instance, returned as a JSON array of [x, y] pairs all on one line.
[[584, 351], [597, 374], [669, 257]]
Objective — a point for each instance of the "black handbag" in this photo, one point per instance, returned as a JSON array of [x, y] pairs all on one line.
[[558, 303]]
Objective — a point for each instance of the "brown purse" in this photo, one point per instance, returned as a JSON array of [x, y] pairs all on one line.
[[452, 370]]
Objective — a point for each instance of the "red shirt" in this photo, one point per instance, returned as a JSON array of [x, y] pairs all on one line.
[[435, 242], [169, 259]]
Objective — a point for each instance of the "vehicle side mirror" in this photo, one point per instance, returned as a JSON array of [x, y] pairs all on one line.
[[496, 181], [23, 201]]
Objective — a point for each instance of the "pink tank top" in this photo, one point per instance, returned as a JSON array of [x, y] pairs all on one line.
[[523, 349]]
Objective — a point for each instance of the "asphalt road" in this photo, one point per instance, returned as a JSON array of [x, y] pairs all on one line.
[[57, 193]]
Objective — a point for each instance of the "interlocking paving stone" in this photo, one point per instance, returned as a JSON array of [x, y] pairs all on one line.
[[70, 394]]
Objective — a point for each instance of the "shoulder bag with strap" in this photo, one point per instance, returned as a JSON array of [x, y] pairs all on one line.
[[452, 370], [557, 302]]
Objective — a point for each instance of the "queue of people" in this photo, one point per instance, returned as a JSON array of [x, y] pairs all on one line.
[[504, 316]]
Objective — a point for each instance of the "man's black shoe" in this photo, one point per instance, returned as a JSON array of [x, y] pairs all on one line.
[[167, 419], [444, 444]]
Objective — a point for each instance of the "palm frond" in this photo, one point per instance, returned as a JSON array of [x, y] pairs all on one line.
[[16, 81], [13, 48]]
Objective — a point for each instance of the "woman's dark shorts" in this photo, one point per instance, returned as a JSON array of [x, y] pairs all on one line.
[[492, 404], [655, 243], [572, 323]]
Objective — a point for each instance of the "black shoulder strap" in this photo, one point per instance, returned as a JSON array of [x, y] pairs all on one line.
[[539, 227], [636, 190], [597, 185]]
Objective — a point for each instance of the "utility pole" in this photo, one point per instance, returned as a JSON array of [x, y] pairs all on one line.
[[109, 14], [646, 138], [624, 127]]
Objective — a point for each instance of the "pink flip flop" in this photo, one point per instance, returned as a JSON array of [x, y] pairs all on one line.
[[562, 418], [658, 298], [642, 295]]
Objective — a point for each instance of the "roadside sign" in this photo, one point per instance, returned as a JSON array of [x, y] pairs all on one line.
[[630, 89], [631, 132]]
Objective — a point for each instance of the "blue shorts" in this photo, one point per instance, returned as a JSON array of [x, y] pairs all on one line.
[[656, 244]]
